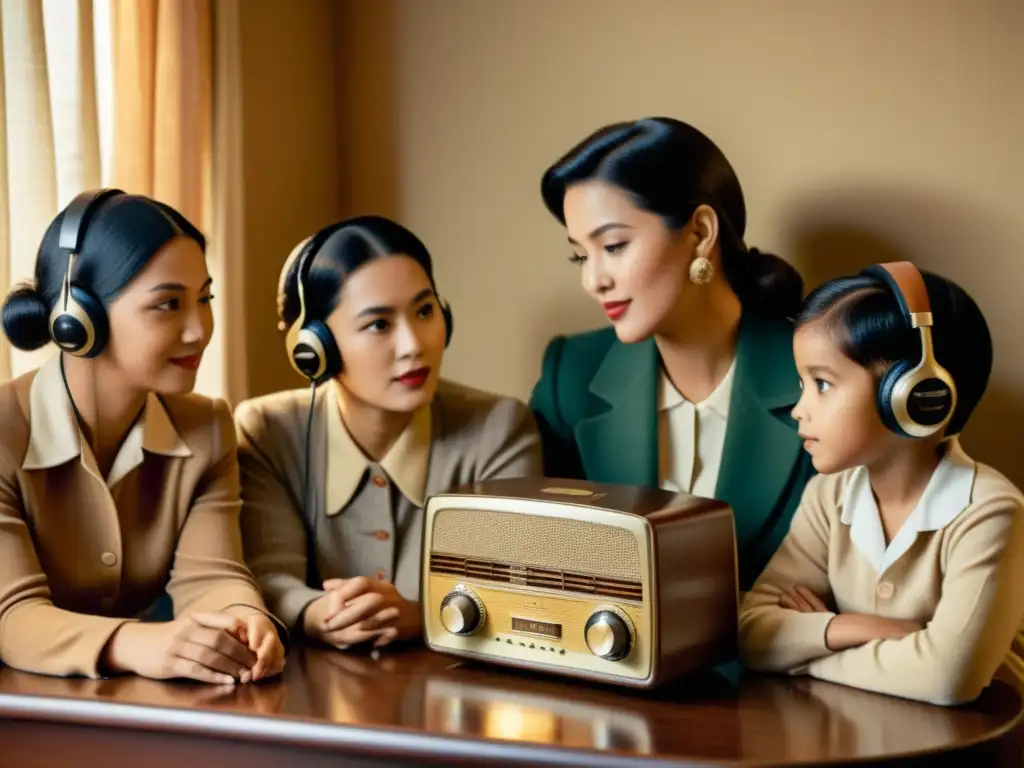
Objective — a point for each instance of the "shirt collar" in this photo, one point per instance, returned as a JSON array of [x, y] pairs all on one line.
[[718, 401], [947, 494], [55, 438], [406, 462]]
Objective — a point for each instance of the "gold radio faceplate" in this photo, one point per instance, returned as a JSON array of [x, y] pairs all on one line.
[[541, 628], [626, 585]]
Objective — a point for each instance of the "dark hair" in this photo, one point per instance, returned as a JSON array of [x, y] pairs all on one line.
[[346, 246], [872, 331], [121, 235], [670, 168]]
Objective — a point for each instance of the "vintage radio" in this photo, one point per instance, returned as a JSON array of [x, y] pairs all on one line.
[[620, 584]]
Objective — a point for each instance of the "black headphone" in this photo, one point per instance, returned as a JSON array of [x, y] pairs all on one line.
[[311, 347], [78, 322], [915, 398]]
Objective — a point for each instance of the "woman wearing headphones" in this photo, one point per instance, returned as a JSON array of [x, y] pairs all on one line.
[[690, 388], [116, 484], [334, 479]]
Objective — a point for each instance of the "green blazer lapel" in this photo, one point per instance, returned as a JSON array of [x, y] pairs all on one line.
[[620, 445], [761, 445]]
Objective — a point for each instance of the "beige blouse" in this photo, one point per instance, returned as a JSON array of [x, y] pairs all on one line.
[[957, 565], [80, 554]]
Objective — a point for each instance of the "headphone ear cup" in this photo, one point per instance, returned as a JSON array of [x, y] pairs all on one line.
[[449, 326], [82, 329], [97, 315], [331, 353], [314, 353], [886, 387]]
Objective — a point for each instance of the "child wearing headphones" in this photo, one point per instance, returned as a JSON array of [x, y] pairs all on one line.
[[335, 476], [901, 572], [119, 486]]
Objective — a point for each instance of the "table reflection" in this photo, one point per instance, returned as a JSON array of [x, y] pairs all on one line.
[[497, 713], [263, 698], [410, 689], [807, 717]]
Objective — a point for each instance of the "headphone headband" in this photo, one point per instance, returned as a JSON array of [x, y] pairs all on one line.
[[73, 225], [907, 285], [305, 264]]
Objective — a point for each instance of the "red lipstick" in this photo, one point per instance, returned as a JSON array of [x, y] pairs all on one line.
[[191, 361], [414, 379], [616, 309]]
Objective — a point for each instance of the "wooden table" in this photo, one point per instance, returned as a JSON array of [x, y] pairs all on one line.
[[414, 707]]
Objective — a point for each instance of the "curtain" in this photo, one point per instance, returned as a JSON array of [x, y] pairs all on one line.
[[30, 149], [120, 93], [163, 73], [229, 377]]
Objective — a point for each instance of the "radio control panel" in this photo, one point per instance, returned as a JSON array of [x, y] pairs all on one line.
[[536, 628]]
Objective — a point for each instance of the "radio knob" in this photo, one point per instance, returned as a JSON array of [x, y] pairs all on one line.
[[608, 635], [462, 612]]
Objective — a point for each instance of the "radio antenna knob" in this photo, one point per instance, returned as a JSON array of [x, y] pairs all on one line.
[[462, 612], [608, 635]]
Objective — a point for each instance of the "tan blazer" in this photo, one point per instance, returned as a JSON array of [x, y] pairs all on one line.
[[367, 515], [80, 556]]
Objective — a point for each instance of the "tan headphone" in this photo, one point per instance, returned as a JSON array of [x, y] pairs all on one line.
[[916, 398]]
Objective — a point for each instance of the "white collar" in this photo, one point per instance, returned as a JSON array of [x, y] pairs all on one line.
[[718, 401], [947, 494]]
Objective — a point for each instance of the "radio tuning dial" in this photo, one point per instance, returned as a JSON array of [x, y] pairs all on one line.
[[608, 634], [462, 612]]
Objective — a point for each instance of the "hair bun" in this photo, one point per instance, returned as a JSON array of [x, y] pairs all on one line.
[[25, 318], [773, 285]]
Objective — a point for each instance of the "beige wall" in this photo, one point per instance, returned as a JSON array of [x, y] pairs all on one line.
[[290, 158], [308, 163], [860, 129]]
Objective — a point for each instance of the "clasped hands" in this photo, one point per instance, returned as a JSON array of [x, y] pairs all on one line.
[[360, 609], [847, 630], [216, 647]]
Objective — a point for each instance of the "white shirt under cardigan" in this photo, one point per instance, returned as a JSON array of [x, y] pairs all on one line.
[[947, 494]]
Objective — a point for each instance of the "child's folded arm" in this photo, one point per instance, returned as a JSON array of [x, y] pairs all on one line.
[[980, 610], [777, 639]]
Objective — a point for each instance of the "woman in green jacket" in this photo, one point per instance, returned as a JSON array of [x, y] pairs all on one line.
[[692, 386]]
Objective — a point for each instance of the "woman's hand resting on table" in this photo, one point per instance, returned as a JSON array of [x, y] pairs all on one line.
[[263, 640], [208, 647], [848, 630], [360, 609]]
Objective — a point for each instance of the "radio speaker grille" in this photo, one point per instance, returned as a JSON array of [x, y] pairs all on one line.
[[535, 540], [529, 576]]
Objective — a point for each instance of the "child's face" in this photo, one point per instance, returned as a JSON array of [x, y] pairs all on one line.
[[837, 410]]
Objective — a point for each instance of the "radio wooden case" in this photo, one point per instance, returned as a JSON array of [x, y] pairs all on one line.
[[619, 584]]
